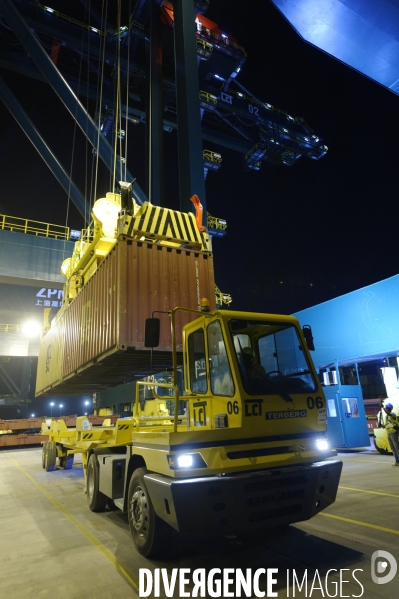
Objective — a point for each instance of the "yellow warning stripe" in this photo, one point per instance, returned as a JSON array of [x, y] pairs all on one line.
[[164, 223], [149, 214], [359, 523], [371, 492], [182, 224], [126, 573]]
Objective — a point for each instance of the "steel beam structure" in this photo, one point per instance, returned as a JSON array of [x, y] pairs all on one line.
[[65, 93], [155, 129], [48, 156], [191, 167], [9, 382], [256, 114]]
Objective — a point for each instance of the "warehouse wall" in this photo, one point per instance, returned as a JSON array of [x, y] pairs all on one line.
[[26, 258]]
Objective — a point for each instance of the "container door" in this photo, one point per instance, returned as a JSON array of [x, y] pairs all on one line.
[[335, 430], [354, 416]]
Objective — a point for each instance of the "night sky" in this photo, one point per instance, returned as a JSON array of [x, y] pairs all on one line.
[[297, 236]]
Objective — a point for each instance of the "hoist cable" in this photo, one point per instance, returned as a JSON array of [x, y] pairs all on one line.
[[120, 91], [74, 141], [104, 11], [118, 96], [127, 86], [87, 194]]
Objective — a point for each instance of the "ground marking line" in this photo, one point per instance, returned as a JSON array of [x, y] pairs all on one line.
[[365, 491], [363, 460], [391, 530], [126, 573]]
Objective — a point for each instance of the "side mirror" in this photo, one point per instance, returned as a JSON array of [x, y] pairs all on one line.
[[307, 333], [151, 335]]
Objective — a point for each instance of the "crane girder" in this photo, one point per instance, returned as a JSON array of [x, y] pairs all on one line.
[[235, 136], [30, 42]]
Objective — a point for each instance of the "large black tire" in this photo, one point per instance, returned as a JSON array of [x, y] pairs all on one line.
[[149, 532], [44, 451], [50, 457], [111, 505], [380, 450], [68, 462], [96, 500]]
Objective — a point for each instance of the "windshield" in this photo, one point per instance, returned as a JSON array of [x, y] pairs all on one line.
[[270, 358]]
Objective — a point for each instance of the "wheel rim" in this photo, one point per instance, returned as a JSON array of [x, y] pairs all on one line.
[[139, 512]]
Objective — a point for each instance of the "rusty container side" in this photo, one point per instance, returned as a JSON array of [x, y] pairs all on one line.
[[103, 327], [156, 278], [51, 355], [91, 320]]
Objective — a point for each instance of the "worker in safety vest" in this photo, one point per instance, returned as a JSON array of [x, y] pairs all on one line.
[[391, 426]]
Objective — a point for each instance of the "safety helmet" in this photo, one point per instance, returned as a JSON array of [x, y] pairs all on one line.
[[389, 406]]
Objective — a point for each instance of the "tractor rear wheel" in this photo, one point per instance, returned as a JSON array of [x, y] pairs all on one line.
[[149, 532]]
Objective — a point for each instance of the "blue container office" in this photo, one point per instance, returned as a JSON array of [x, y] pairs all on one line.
[[351, 329]]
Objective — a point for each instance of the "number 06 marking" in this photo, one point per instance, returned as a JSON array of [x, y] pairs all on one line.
[[311, 402], [233, 407]]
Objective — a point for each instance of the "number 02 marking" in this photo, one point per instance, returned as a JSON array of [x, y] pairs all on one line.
[[253, 109]]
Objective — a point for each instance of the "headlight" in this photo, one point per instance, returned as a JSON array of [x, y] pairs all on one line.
[[186, 460], [322, 445]]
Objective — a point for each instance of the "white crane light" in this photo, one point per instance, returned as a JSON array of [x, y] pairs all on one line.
[[31, 328]]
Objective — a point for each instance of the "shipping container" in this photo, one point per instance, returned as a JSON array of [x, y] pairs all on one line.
[[98, 340]]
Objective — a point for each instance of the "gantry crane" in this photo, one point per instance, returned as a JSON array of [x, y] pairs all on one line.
[[164, 91]]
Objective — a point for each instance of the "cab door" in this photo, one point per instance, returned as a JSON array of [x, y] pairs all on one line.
[[198, 379], [210, 379]]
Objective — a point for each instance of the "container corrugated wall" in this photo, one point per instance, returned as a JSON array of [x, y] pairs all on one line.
[[103, 327], [171, 277], [91, 320], [51, 356]]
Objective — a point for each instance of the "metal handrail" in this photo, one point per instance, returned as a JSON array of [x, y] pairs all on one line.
[[222, 298], [218, 38], [175, 419], [60, 15], [216, 223], [212, 156], [69, 19], [33, 227], [10, 328]]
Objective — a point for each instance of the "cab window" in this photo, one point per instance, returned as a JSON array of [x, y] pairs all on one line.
[[220, 373], [196, 361], [271, 358]]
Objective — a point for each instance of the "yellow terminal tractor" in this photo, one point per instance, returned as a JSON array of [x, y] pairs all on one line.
[[241, 447]]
